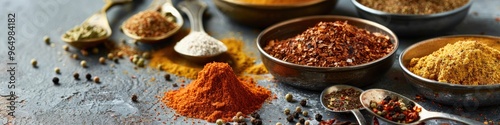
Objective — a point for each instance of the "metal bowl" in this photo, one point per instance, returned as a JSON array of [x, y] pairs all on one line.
[[318, 78], [265, 15], [415, 25], [447, 93]]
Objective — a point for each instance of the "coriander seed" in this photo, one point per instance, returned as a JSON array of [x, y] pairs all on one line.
[[57, 70], [307, 122], [102, 60], [76, 76], [289, 97], [65, 47], [298, 123], [83, 63], [298, 109], [302, 120], [236, 119], [279, 123], [286, 111], [46, 39], [34, 62], [134, 98], [140, 63], [119, 54], [96, 79], [305, 113], [110, 56], [219, 122], [88, 76], [84, 52], [74, 56], [303, 102], [146, 55], [159, 67], [239, 114], [55, 80], [241, 119], [289, 118], [318, 117]]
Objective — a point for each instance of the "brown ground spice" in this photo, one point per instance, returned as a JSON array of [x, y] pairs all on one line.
[[173, 63], [217, 93], [464, 62], [419, 7]]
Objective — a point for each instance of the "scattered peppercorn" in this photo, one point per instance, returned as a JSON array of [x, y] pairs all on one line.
[[159, 67], [289, 97], [102, 60], [134, 98], [95, 50], [307, 122], [302, 120], [236, 119], [305, 113], [256, 122], [255, 115], [286, 111], [298, 109], [74, 56], [46, 39], [140, 62], [55, 80], [296, 114], [318, 117], [175, 85], [65, 47], [146, 55], [115, 60], [298, 123], [227, 123], [279, 123], [303, 102], [57, 70], [289, 118], [34, 62], [219, 122], [97, 80], [110, 56], [76, 76], [88, 76], [241, 119], [119, 54], [84, 52], [83, 63], [167, 77], [243, 123]]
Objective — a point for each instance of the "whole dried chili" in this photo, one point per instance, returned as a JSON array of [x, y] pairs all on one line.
[[216, 94], [331, 44]]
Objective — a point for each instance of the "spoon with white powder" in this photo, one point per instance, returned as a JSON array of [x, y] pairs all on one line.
[[198, 45]]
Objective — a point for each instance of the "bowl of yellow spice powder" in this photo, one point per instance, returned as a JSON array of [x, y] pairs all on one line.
[[415, 17], [459, 70], [263, 13]]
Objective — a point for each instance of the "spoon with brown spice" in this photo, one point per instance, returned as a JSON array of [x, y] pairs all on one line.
[[159, 21], [94, 30], [339, 98], [373, 97]]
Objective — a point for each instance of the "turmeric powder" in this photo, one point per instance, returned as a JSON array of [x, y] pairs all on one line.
[[464, 62]]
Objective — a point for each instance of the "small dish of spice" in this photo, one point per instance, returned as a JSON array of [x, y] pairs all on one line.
[[343, 99]]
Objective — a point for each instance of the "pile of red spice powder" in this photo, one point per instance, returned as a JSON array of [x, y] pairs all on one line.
[[217, 93]]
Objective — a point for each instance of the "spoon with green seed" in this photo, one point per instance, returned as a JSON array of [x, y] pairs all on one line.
[[94, 30], [168, 11]]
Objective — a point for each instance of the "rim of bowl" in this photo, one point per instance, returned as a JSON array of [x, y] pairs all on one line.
[[378, 12], [406, 70], [367, 22], [275, 6]]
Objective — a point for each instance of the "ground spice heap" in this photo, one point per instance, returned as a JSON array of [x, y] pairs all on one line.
[[418, 7], [149, 24], [200, 44], [216, 94], [331, 44], [464, 62]]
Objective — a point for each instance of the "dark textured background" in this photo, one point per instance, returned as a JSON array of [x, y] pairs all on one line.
[[83, 102]]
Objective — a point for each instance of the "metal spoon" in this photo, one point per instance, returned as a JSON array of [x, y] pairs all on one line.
[[378, 95], [194, 10], [166, 8], [359, 117], [98, 19]]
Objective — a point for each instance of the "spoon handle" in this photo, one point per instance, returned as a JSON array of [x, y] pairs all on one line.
[[359, 117], [110, 3], [194, 10], [432, 115]]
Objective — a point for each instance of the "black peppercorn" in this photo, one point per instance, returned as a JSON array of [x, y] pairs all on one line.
[[88, 76], [134, 98], [302, 120], [227, 123], [76, 76], [401, 116], [397, 108], [175, 85], [387, 98], [410, 105], [289, 118], [244, 123], [255, 115], [55, 80], [380, 107], [257, 122], [167, 77], [303, 102], [296, 114], [318, 117]]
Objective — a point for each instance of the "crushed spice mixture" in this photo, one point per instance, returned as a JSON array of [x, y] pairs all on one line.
[[418, 7], [149, 24], [331, 44], [271, 2], [464, 62]]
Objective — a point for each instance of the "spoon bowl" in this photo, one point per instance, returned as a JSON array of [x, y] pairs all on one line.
[[165, 7], [210, 46], [359, 117], [378, 95], [98, 19]]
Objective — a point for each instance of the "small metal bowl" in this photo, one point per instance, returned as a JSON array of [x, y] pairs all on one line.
[[318, 78], [265, 15], [415, 25], [447, 93]]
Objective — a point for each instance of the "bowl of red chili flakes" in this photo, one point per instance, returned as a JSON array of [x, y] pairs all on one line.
[[320, 51]]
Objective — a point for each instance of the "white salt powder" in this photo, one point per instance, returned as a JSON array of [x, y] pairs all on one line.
[[200, 44]]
